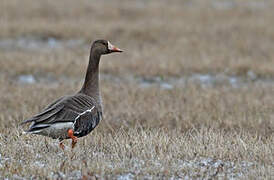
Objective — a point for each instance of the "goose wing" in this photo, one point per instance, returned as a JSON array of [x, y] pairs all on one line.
[[79, 109]]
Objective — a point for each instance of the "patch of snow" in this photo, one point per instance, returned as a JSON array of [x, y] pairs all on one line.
[[16, 177], [203, 78], [127, 176], [26, 79], [39, 164], [251, 75], [57, 175], [76, 174], [166, 86]]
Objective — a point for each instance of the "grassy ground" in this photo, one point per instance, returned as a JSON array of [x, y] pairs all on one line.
[[148, 132]]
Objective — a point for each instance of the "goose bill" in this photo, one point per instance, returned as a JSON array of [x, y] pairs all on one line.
[[113, 48]]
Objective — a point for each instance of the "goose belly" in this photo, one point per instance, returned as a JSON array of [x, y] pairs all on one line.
[[56, 130]]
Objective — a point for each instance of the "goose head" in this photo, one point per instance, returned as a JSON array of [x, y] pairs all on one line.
[[104, 47]]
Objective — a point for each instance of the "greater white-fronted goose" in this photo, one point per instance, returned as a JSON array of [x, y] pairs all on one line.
[[77, 115]]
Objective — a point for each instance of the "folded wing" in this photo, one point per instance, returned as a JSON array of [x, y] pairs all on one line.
[[79, 110]]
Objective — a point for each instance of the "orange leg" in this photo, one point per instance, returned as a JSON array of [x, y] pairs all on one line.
[[73, 138], [61, 145]]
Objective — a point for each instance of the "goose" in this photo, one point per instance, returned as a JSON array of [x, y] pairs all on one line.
[[75, 116]]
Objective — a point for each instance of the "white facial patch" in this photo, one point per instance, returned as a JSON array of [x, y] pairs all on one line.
[[110, 46]]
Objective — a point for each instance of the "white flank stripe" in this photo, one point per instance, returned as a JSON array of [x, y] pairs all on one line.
[[79, 115]]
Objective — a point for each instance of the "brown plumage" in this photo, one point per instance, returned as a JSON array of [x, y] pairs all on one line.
[[76, 115]]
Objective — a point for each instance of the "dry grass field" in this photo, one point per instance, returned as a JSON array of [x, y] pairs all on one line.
[[192, 96]]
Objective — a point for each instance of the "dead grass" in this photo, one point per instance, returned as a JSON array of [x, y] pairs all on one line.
[[142, 152], [143, 133], [187, 131]]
